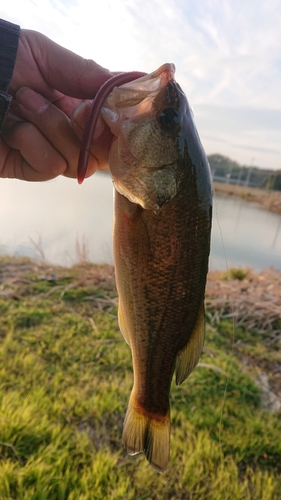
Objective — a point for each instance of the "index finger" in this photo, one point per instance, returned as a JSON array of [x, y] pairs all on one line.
[[55, 126]]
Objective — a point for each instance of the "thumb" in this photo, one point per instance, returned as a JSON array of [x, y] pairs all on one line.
[[71, 74], [66, 71]]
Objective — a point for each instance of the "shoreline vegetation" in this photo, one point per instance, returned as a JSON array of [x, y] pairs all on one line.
[[66, 376], [268, 199], [250, 182]]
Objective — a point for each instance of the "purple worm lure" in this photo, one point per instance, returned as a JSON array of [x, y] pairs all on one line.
[[92, 119]]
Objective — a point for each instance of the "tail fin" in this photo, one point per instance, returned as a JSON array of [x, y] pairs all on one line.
[[147, 432]]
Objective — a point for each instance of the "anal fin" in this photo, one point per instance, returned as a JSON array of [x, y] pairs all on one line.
[[189, 356]]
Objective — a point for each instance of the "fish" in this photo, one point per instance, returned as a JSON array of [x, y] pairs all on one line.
[[161, 244]]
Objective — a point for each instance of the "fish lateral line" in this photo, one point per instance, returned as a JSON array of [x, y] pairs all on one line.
[[92, 119]]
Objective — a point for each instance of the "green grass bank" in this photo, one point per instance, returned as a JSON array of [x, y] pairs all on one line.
[[66, 376]]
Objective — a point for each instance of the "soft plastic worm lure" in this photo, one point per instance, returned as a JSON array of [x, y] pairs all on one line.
[[96, 106]]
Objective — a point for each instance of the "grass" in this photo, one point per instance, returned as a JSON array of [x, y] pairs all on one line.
[[66, 376]]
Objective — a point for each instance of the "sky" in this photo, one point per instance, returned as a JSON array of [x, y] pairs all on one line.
[[227, 55]]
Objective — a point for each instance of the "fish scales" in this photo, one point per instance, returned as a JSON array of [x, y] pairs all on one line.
[[161, 240], [150, 246]]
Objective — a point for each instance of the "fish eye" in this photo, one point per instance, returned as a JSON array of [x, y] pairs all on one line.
[[169, 118]]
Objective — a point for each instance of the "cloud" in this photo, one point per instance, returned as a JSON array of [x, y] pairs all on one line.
[[227, 52], [241, 133], [239, 118]]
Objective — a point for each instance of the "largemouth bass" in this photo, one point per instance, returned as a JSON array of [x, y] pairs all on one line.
[[162, 224]]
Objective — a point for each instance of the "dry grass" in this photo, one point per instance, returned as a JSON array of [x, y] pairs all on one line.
[[15, 273], [253, 301]]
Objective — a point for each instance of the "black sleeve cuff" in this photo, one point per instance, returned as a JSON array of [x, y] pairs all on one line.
[[9, 40]]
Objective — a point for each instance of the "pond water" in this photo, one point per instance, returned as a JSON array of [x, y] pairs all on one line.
[[244, 235], [62, 222]]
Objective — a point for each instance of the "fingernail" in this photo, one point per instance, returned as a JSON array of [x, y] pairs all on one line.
[[31, 100], [80, 116]]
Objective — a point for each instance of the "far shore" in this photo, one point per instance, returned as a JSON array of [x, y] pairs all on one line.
[[271, 200]]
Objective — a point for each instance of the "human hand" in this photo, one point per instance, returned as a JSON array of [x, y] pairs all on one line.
[[40, 138]]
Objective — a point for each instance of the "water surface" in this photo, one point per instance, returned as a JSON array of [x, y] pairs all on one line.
[[61, 222], [244, 235]]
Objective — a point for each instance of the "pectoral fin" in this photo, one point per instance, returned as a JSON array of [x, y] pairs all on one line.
[[189, 356]]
